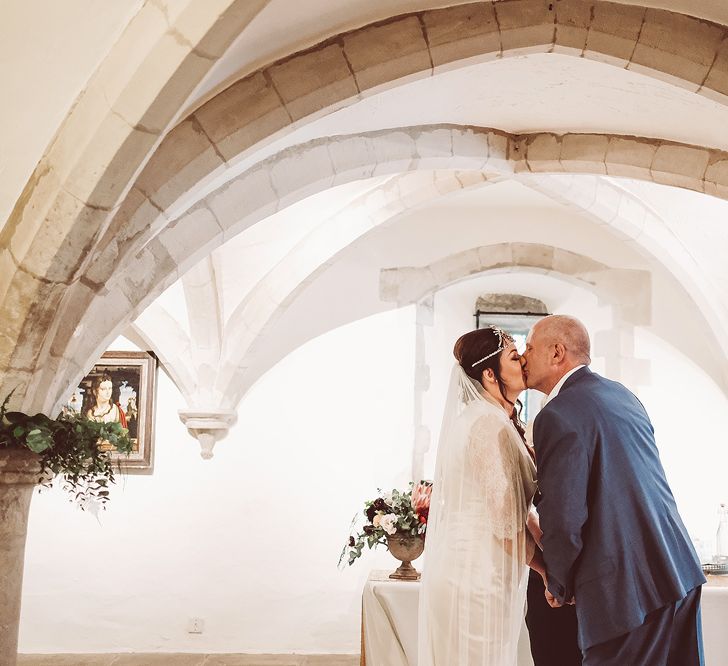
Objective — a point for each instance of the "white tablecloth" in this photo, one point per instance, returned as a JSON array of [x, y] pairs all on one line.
[[714, 608], [389, 623]]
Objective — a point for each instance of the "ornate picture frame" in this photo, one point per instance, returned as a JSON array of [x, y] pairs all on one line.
[[122, 387]]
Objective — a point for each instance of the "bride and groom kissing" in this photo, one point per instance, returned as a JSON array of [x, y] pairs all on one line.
[[614, 579]]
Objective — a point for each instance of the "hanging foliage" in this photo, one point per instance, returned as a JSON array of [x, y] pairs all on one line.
[[73, 447]]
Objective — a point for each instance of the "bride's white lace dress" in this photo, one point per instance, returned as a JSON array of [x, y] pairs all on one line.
[[477, 546]]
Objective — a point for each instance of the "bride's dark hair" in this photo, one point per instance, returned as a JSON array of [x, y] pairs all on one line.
[[476, 345]]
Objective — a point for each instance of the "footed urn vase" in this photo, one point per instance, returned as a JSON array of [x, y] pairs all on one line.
[[405, 548]]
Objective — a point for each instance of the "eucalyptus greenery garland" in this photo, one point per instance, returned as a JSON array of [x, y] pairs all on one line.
[[68, 446]]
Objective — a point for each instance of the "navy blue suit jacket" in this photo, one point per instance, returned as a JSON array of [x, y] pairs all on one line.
[[612, 535]]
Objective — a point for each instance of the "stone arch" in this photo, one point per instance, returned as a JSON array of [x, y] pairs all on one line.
[[295, 174], [627, 291], [408, 285], [173, 352], [99, 149], [272, 294], [609, 203]]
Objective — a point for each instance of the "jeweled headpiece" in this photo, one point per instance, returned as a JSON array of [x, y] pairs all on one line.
[[502, 336]]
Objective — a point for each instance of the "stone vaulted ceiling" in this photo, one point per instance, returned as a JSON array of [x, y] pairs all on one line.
[[204, 121]]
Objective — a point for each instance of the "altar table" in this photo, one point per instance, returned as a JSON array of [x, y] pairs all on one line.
[[389, 623]]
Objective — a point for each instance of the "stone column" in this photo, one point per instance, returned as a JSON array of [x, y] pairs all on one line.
[[424, 317], [19, 470]]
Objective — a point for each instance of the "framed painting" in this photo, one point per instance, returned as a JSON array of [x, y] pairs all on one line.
[[121, 387]]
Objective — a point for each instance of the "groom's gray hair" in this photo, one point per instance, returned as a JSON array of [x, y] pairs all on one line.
[[570, 332]]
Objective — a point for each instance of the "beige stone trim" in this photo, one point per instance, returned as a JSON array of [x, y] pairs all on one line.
[[411, 284]]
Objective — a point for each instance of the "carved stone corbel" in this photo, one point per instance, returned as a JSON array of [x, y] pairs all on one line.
[[208, 426]]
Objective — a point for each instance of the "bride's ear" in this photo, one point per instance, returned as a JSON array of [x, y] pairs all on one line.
[[488, 376]]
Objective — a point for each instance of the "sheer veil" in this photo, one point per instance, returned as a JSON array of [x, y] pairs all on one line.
[[473, 586], [462, 391]]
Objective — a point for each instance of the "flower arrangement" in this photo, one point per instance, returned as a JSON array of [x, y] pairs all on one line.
[[396, 512], [69, 446]]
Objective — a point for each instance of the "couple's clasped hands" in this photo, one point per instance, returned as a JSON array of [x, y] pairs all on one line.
[[532, 523], [554, 602]]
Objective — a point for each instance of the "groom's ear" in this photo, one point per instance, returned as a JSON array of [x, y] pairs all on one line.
[[559, 353]]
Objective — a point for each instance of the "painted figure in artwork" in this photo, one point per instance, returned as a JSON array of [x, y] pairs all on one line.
[[102, 408]]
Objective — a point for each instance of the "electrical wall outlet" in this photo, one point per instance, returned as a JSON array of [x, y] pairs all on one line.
[[195, 625]]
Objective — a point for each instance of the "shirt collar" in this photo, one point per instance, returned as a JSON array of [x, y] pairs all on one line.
[[555, 390]]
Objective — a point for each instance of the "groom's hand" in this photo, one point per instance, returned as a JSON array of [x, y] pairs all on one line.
[[552, 600]]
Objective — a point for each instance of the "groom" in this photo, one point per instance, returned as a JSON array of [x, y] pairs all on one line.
[[613, 540]]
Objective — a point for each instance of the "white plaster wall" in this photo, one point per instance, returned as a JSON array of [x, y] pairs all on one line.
[[690, 415], [695, 219], [250, 540]]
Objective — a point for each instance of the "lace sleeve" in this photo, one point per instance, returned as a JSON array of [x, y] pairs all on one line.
[[495, 469]]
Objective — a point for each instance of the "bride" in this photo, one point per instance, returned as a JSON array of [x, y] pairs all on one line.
[[478, 547]]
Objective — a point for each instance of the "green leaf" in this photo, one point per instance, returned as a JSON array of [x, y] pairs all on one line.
[[38, 441], [68, 447], [16, 417]]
